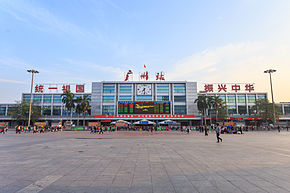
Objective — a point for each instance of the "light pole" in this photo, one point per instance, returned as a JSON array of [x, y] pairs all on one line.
[[32, 72], [270, 71]]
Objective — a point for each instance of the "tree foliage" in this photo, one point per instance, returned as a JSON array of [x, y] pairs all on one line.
[[264, 109], [21, 112]]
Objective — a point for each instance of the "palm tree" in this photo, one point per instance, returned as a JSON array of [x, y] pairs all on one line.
[[202, 105], [79, 108], [69, 102], [85, 103], [218, 103], [210, 104]]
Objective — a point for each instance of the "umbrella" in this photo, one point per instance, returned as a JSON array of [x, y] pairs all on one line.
[[144, 122], [167, 122]]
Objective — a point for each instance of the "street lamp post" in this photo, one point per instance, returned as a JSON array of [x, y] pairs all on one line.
[[270, 71], [32, 72]]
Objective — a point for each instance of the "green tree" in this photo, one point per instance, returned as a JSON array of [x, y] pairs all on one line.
[[264, 109], [85, 103], [202, 105], [69, 102], [79, 108], [21, 112], [220, 107]]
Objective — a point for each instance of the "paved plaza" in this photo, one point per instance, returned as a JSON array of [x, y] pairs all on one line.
[[142, 162]]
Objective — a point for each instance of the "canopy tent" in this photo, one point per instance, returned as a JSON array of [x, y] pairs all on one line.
[[120, 121], [167, 122], [144, 122]]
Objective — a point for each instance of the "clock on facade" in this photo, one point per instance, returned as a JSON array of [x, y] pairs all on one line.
[[144, 89]]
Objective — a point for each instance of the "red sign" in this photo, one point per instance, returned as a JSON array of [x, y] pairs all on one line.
[[228, 87], [38, 89], [222, 87], [107, 121], [236, 87], [249, 87], [65, 88], [160, 76], [208, 88], [144, 76], [129, 73], [144, 116], [80, 88]]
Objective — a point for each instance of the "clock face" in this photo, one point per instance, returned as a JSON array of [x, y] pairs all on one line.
[[144, 89]]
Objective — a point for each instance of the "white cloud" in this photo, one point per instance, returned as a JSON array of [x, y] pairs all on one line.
[[12, 81], [242, 62]]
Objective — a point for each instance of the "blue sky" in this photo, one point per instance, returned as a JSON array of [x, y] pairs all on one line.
[[85, 40]]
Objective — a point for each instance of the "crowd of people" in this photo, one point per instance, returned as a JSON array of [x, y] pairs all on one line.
[[37, 129]]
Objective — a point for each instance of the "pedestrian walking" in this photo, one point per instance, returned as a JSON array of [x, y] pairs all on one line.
[[218, 131], [205, 131], [279, 128]]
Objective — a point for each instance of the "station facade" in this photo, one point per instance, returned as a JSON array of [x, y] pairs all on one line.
[[136, 100]]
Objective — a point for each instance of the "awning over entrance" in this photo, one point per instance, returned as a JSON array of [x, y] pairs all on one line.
[[144, 122]]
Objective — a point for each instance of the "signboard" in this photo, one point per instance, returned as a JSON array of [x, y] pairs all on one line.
[[59, 88], [144, 107], [94, 124], [121, 124], [143, 116], [40, 124], [228, 87]]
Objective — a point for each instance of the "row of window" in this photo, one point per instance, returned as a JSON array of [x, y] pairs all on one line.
[[241, 98], [111, 98], [110, 109], [46, 98], [129, 89]]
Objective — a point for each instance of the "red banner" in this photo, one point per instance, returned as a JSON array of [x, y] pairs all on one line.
[[144, 116]]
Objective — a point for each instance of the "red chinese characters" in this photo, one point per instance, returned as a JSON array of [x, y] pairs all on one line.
[[80, 88], [222, 87], [160, 76], [236, 87], [128, 75], [249, 87], [38, 89], [144, 76], [65, 88], [208, 88]]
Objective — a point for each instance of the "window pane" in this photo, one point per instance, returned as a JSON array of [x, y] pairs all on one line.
[[242, 109], [47, 98], [109, 89], [56, 110], [143, 98], [57, 99], [2, 111], [223, 97], [46, 110], [126, 89], [10, 109], [242, 99], [125, 98], [261, 96], [179, 99], [108, 99], [287, 109], [26, 98], [162, 98], [232, 109], [179, 109], [37, 98], [162, 89], [251, 98], [231, 99], [108, 110], [179, 89]]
